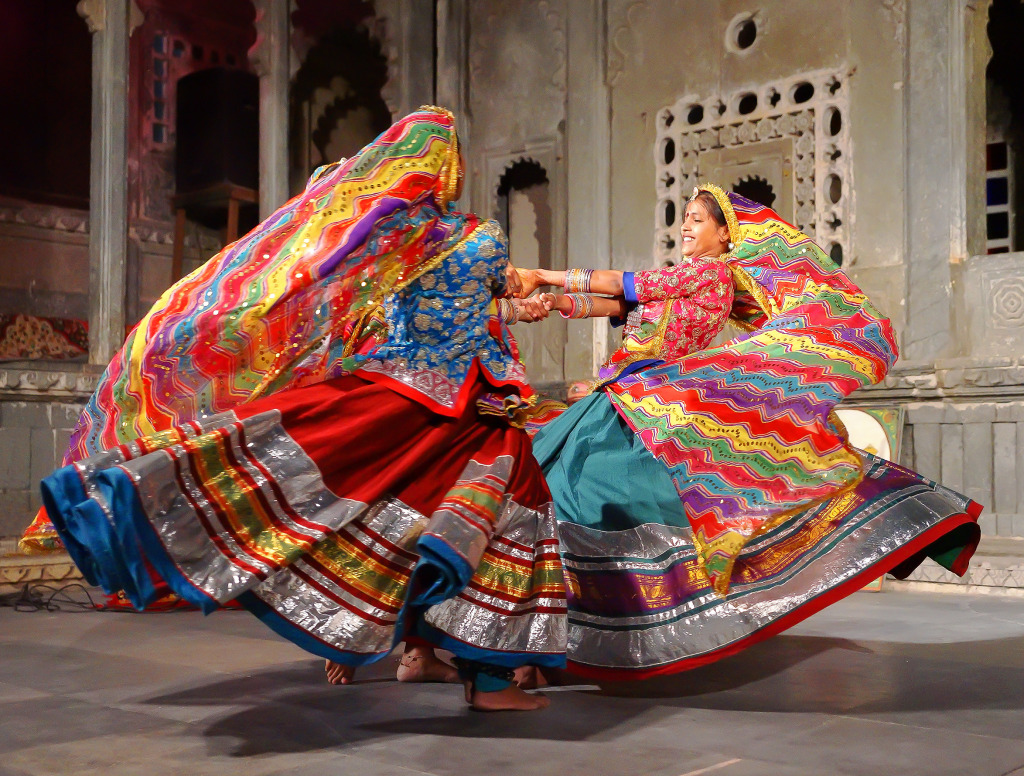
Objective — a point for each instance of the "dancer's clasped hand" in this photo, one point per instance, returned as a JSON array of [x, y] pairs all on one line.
[[529, 281], [536, 308], [513, 279]]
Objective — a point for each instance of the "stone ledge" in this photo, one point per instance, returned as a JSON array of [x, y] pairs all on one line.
[[959, 378], [18, 570], [48, 382], [916, 586]]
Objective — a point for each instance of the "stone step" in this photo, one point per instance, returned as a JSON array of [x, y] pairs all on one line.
[[18, 570]]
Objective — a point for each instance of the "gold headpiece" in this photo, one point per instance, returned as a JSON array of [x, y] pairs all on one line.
[[450, 172], [727, 210]]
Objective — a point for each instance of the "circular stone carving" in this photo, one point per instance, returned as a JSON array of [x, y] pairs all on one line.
[[833, 121], [747, 103], [668, 212], [668, 150], [742, 33], [1008, 302], [833, 188]]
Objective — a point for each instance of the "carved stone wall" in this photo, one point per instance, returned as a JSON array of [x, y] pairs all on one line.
[[792, 134], [664, 59], [44, 260], [517, 63], [992, 304], [38, 409]]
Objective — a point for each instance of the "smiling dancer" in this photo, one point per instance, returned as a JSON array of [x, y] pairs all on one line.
[[707, 497]]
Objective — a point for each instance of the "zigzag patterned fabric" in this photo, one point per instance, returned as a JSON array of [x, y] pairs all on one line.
[[287, 304], [745, 428]]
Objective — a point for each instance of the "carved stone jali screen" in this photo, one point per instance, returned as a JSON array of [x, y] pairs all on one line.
[[786, 142]]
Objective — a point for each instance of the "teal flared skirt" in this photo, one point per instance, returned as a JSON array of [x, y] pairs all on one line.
[[640, 604]]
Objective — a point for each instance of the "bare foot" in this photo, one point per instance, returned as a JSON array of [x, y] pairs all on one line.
[[529, 677], [338, 673], [420, 664], [512, 698]]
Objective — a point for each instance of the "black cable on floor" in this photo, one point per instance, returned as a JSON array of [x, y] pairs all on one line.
[[42, 597]]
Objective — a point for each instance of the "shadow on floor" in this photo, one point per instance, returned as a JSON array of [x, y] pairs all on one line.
[[294, 709]]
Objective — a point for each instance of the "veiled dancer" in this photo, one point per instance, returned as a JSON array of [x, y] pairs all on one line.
[[707, 496], [325, 423]]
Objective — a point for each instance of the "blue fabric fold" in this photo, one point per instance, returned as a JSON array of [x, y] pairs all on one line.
[[440, 574], [61, 490], [629, 288]]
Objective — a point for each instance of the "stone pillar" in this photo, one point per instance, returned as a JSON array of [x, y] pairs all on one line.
[[937, 185], [409, 44], [109, 22], [269, 58], [451, 87], [588, 144]]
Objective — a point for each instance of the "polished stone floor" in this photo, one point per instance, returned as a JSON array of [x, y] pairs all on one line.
[[889, 683]]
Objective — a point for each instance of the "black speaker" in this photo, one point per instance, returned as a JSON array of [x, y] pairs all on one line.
[[218, 129]]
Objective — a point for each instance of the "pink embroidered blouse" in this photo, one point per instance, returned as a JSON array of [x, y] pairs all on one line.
[[679, 310]]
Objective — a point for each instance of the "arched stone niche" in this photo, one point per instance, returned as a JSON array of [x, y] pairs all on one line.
[[524, 194], [335, 102]]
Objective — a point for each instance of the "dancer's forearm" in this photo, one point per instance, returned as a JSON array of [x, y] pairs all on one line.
[[599, 307], [602, 281]]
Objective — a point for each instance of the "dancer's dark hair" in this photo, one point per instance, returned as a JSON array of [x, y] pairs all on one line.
[[707, 199]]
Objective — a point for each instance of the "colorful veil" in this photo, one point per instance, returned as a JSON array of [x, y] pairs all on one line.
[[285, 305], [745, 428]]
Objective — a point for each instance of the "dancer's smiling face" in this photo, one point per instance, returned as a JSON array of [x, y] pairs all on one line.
[[703, 235]]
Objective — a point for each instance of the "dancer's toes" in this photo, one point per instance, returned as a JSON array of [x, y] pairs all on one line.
[[338, 673], [422, 665], [512, 698]]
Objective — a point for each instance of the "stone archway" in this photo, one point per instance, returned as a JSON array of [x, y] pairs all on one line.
[[523, 206], [336, 105]]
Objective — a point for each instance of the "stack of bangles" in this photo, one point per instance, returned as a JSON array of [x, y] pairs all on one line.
[[580, 306], [508, 312], [577, 281]]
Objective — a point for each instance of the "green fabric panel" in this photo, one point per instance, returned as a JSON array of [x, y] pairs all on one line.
[[599, 472], [946, 549]]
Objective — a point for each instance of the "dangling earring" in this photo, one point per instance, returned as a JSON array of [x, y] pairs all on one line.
[[731, 246]]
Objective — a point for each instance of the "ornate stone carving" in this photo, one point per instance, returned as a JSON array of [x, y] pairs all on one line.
[[267, 27], [543, 153], [496, 50], [620, 39], [1008, 303], [896, 10], [810, 111], [44, 382], [77, 222], [20, 570], [204, 239], [94, 12], [45, 217]]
